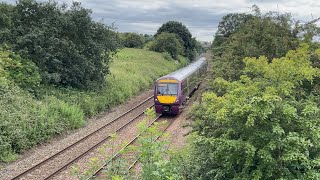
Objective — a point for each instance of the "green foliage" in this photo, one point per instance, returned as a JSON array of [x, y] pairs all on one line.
[[167, 56], [132, 40], [25, 122], [183, 33], [5, 21], [154, 153], [167, 42], [69, 48], [241, 35], [21, 71], [263, 126], [230, 24]]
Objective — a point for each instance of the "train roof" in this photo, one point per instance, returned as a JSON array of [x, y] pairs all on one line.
[[183, 73]]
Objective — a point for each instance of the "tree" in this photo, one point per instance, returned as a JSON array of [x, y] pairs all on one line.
[[133, 40], [167, 42], [183, 33], [271, 35], [230, 24], [69, 48], [263, 126], [5, 21]]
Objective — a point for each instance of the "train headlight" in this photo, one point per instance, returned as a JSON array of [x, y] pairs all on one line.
[[156, 99]]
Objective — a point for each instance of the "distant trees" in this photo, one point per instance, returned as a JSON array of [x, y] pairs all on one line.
[[132, 40], [167, 42], [68, 47], [183, 33]]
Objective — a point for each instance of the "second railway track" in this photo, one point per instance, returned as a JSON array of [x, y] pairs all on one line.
[[55, 163], [131, 142]]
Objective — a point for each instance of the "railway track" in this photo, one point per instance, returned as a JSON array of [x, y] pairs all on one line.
[[48, 168], [118, 153]]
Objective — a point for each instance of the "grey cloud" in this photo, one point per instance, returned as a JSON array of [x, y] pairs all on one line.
[[201, 17]]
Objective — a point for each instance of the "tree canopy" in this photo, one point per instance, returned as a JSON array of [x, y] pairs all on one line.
[[69, 48], [271, 35], [183, 33], [133, 40], [167, 42]]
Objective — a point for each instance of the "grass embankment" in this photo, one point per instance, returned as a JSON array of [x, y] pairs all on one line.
[[26, 121]]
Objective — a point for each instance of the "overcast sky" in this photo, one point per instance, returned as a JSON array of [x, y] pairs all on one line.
[[200, 16]]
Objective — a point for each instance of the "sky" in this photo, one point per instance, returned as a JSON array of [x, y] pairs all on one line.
[[200, 16]]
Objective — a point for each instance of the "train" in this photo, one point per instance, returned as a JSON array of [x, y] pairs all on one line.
[[172, 91]]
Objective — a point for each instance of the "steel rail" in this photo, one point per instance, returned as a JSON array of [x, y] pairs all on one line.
[[95, 146], [136, 160], [118, 152], [80, 140]]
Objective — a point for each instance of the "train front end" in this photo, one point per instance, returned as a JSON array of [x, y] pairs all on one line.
[[166, 96]]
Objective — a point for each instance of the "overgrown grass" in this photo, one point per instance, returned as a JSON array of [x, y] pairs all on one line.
[[26, 121]]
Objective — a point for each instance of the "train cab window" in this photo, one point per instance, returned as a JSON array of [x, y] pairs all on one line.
[[167, 88]]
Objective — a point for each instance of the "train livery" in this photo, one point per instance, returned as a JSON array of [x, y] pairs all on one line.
[[173, 90]]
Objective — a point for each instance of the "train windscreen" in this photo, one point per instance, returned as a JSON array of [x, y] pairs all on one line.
[[167, 88]]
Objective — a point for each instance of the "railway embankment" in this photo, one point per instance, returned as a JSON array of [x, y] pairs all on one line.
[[59, 111]]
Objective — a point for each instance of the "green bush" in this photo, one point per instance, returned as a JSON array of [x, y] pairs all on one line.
[[21, 71], [132, 40], [167, 42], [25, 121], [263, 126], [183, 34], [69, 48], [245, 35], [167, 56]]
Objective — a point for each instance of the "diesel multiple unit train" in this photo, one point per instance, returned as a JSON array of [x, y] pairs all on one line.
[[172, 90]]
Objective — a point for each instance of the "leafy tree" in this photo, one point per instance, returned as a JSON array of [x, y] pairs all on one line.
[[167, 42], [133, 40], [183, 33], [148, 38], [230, 24], [263, 126], [5, 21], [271, 35], [69, 48]]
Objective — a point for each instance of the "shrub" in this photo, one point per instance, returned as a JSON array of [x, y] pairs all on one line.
[[167, 42], [132, 40], [69, 48], [25, 122], [21, 71]]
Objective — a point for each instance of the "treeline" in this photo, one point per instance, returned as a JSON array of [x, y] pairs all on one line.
[[259, 117], [172, 37]]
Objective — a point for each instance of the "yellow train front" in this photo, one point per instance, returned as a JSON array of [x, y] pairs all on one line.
[[172, 91]]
